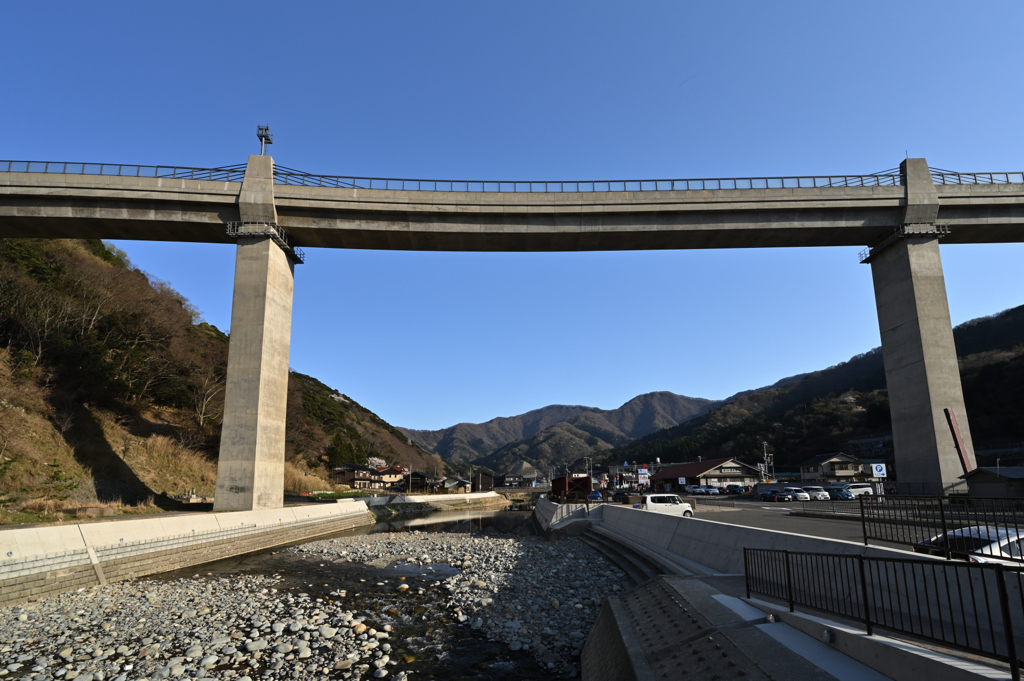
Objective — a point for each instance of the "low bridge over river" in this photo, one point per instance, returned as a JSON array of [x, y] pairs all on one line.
[[899, 215]]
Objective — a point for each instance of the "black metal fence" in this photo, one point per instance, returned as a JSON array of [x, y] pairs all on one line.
[[290, 176], [952, 527], [235, 173], [973, 607]]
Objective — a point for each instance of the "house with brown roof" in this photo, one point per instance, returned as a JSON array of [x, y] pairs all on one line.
[[392, 475], [357, 477], [714, 473], [833, 468]]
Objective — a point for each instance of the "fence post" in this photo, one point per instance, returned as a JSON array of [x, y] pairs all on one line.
[[1004, 606], [864, 594], [746, 569], [863, 518], [789, 582], [942, 518]]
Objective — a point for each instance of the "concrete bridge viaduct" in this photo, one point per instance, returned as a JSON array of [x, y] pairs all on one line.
[[899, 215]]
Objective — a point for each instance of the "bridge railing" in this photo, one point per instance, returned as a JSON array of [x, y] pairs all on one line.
[[289, 176], [234, 173], [951, 177]]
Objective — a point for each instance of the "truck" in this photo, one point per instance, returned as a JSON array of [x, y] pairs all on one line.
[[665, 503], [576, 488]]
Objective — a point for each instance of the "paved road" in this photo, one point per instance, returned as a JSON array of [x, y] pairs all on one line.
[[776, 517]]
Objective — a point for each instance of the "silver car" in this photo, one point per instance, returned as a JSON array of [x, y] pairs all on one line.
[[797, 493], [979, 544]]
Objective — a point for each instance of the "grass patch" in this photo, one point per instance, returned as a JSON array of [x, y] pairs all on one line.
[[299, 479]]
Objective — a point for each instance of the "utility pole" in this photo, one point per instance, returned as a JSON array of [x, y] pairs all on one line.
[[769, 460]]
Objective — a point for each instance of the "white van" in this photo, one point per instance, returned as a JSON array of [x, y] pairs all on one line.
[[859, 488], [665, 503]]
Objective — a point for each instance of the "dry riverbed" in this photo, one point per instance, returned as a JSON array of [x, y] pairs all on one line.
[[401, 606]]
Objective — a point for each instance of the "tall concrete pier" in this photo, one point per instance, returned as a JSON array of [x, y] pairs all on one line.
[[250, 471], [921, 369]]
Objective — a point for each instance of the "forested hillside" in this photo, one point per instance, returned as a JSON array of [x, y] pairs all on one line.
[[111, 387], [822, 411]]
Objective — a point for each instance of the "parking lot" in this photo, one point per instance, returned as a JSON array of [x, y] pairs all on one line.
[[768, 516]]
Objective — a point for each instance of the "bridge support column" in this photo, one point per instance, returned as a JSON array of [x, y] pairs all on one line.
[[250, 470], [921, 369]]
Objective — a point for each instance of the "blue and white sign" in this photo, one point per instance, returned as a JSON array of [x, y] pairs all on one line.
[[878, 469]]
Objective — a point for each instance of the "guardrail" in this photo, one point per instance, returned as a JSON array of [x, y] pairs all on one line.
[[712, 501], [952, 177], [850, 508], [235, 173], [290, 176], [953, 527], [976, 608]]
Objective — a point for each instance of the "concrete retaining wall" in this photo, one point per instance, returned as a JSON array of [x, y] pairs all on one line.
[[719, 546], [39, 561]]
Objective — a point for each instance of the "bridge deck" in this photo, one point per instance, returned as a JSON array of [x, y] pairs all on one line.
[[167, 208]]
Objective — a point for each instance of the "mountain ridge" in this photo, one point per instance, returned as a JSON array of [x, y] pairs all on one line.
[[638, 416]]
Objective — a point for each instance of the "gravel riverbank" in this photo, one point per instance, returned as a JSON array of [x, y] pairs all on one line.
[[398, 605]]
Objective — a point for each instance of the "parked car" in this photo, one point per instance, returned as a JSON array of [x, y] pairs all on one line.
[[621, 497], [859, 488], [978, 544], [734, 489], [839, 493], [776, 495], [665, 503], [692, 489], [816, 493], [704, 489], [797, 493], [595, 496]]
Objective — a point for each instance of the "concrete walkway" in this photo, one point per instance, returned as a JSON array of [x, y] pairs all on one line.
[[679, 627]]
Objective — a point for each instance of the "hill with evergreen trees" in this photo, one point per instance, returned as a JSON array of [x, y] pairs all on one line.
[[823, 411]]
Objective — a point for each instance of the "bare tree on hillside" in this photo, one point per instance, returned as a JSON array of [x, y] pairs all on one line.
[[206, 387]]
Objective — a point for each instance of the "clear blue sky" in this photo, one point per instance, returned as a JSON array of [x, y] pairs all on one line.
[[537, 90]]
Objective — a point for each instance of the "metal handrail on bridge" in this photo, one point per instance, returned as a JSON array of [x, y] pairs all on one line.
[[952, 177], [290, 176], [235, 173]]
